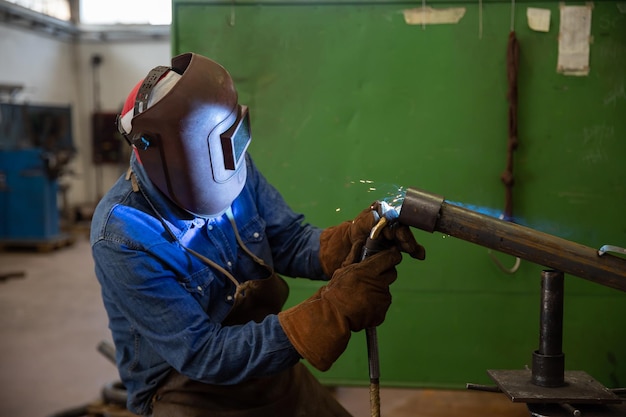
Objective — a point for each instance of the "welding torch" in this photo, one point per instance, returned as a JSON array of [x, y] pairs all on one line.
[[374, 245]]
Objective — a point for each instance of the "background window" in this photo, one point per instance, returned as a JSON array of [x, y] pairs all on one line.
[[153, 12], [55, 8]]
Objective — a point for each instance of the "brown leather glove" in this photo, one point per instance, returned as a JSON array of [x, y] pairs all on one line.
[[342, 244], [356, 297]]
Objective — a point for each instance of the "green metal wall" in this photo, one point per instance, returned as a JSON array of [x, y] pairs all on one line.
[[342, 92]]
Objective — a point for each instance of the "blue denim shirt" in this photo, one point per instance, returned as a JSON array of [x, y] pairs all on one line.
[[165, 305]]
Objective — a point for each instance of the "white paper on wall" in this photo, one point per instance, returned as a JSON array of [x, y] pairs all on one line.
[[429, 16], [574, 40], [538, 19]]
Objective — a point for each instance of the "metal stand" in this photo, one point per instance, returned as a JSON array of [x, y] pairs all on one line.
[[547, 389], [549, 361]]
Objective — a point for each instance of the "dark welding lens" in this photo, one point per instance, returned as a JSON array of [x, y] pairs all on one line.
[[235, 140]]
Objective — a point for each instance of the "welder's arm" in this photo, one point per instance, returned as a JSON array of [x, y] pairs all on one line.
[[342, 244], [355, 298]]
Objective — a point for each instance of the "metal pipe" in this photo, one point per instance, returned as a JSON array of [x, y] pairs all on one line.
[[431, 213], [548, 368], [551, 314]]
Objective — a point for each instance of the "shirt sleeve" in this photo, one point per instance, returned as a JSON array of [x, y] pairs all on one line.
[[169, 325]]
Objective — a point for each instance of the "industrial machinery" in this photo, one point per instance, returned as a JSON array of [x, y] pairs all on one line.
[[35, 148], [548, 389]]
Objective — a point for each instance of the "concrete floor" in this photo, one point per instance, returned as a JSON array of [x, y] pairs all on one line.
[[52, 320]]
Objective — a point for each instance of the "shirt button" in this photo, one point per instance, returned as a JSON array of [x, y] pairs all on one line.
[[229, 298], [210, 227], [199, 288], [256, 235], [229, 263]]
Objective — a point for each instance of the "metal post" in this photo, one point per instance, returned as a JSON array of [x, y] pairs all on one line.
[[548, 368]]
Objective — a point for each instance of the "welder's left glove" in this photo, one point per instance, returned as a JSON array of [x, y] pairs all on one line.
[[341, 245], [356, 297]]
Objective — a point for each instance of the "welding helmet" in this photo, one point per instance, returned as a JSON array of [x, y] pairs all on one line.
[[189, 133]]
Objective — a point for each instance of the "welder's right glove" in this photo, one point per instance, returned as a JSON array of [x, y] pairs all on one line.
[[356, 297], [342, 244]]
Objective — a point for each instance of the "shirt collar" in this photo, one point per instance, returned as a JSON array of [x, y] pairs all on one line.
[[178, 219]]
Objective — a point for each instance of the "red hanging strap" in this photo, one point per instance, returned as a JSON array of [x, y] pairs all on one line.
[[512, 64]]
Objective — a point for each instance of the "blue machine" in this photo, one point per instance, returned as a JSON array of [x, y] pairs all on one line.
[[35, 144], [28, 197]]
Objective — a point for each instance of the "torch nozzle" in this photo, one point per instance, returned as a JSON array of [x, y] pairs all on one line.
[[378, 228]]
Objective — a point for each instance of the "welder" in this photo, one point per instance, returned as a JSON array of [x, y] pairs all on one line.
[[190, 249]]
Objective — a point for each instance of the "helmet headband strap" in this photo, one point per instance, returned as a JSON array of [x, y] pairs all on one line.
[[141, 104], [153, 77]]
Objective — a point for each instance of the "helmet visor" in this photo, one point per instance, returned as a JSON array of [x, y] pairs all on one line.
[[236, 140]]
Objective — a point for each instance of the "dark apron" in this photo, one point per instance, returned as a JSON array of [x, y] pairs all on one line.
[[291, 393]]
